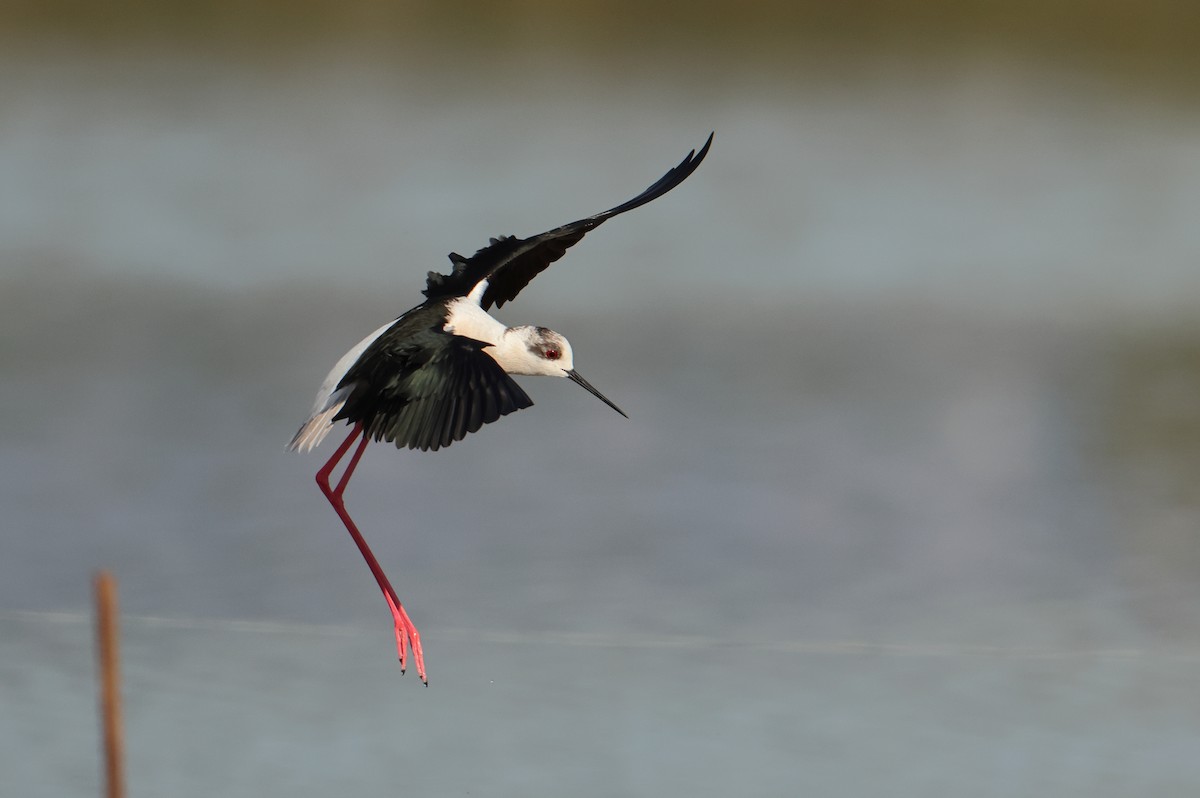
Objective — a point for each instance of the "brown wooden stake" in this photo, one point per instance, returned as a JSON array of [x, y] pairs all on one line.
[[110, 684]]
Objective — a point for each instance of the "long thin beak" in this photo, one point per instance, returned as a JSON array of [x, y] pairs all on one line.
[[575, 377]]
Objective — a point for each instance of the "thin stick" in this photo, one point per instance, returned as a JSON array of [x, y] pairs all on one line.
[[110, 683]]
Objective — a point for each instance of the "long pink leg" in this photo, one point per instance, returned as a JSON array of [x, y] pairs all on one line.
[[406, 631]]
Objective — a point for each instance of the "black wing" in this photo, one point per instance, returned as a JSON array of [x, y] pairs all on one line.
[[509, 263], [428, 390]]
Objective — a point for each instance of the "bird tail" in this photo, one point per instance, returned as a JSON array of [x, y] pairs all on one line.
[[313, 431]]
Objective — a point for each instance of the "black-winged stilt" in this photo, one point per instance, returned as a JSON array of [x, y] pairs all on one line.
[[442, 369]]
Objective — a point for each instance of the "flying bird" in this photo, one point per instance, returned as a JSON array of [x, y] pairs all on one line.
[[442, 369]]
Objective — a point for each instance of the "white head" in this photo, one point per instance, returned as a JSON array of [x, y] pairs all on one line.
[[541, 352], [536, 351]]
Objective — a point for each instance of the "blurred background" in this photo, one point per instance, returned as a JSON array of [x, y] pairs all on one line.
[[906, 501]]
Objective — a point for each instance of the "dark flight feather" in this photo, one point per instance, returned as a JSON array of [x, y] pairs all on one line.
[[509, 264], [427, 389]]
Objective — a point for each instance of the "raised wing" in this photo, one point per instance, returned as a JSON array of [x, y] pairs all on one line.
[[428, 390], [509, 264]]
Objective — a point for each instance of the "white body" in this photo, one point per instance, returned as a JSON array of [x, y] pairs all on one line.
[[517, 350]]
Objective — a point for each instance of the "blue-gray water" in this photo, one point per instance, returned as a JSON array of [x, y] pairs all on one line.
[[904, 506]]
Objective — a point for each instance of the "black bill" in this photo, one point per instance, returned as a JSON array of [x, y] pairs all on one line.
[[575, 377]]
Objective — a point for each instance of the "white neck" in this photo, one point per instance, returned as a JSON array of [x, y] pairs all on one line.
[[469, 320]]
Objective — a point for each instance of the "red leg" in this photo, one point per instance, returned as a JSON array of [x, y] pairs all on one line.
[[406, 632]]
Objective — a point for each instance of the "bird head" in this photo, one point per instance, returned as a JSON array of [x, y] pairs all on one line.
[[548, 354]]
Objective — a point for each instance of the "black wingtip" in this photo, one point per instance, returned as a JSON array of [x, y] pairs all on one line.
[[661, 186], [680, 173], [688, 164]]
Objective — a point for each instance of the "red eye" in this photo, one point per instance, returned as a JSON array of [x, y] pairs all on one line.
[[552, 354]]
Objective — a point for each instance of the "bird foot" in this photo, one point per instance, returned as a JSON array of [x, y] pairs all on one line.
[[407, 636]]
